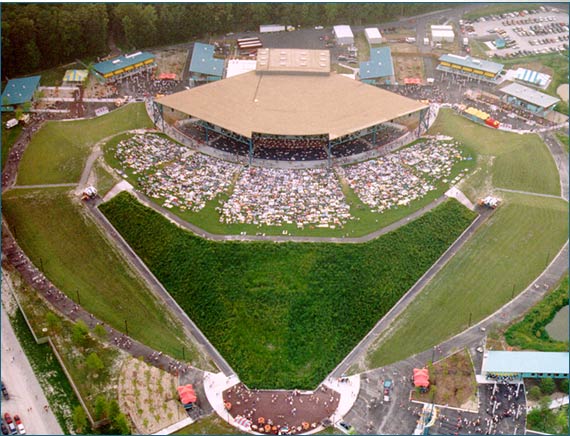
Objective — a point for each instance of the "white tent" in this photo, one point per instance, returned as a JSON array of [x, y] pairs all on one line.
[[373, 35], [442, 33], [343, 34]]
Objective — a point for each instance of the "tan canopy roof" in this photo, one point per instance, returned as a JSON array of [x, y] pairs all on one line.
[[291, 104]]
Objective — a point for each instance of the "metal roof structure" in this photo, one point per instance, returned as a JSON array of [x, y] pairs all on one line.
[[343, 34], [529, 95], [468, 61], [18, 91], [122, 62], [379, 65], [526, 362], [533, 77], [285, 104], [290, 60], [203, 61], [373, 35]]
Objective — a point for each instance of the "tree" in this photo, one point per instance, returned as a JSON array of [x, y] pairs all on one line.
[[100, 331], [79, 419], [100, 407], [534, 393], [564, 386], [53, 321], [113, 409], [547, 386], [94, 363], [80, 333], [121, 425]]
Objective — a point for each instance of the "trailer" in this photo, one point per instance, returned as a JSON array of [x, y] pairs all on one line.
[[270, 28]]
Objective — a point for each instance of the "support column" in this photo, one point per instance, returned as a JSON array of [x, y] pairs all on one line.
[[250, 143], [374, 129], [329, 154], [161, 109], [206, 135]]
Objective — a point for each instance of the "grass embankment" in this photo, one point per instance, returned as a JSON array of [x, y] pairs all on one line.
[[211, 424], [365, 221], [9, 136], [499, 9], [505, 160], [564, 140], [58, 151], [530, 333], [77, 258], [284, 315], [501, 259]]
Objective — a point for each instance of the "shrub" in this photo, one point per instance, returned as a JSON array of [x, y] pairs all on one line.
[[547, 386], [284, 315], [534, 393]]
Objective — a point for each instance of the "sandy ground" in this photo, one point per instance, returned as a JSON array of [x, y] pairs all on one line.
[[23, 386], [562, 91]]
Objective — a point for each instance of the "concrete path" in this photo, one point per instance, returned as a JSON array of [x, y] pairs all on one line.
[[560, 158], [54, 185], [27, 398], [535, 194], [175, 427]]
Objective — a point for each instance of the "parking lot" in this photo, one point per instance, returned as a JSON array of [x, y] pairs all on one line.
[[535, 31]]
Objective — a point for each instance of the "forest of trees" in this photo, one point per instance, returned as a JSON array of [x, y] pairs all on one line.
[[40, 36]]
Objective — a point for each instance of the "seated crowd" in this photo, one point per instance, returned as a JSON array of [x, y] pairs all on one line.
[[401, 177], [310, 197], [289, 149], [264, 196], [168, 171], [384, 135]]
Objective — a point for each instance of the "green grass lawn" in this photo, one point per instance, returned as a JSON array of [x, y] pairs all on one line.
[[211, 424], [76, 257], [57, 152], [502, 258], [498, 9], [9, 136], [505, 160], [283, 315], [365, 221]]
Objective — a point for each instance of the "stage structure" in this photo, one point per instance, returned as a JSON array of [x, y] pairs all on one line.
[[291, 98]]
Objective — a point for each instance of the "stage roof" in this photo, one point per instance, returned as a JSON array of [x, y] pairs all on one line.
[[529, 95], [18, 91], [282, 104], [292, 60], [204, 62]]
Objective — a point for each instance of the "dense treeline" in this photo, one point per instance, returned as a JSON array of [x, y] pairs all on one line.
[[284, 315], [39, 36]]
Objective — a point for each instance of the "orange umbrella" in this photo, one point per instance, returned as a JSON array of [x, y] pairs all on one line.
[[228, 405], [267, 428], [261, 420], [305, 425]]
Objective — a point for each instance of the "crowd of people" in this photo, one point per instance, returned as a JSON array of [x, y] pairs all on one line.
[[401, 177], [290, 149], [264, 196], [166, 170], [186, 179]]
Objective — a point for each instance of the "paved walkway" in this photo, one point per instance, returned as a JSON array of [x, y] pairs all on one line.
[[534, 194], [27, 398]]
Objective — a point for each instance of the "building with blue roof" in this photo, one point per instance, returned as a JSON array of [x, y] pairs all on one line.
[[19, 91], [125, 65], [204, 67], [525, 364], [472, 68], [380, 67]]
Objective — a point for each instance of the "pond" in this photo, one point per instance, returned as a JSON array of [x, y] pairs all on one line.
[[558, 327]]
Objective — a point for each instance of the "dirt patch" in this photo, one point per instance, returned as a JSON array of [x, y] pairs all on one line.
[[452, 382], [408, 67], [171, 60], [563, 91], [149, 396]]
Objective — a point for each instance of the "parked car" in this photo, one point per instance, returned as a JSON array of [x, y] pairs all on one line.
[[345, 427], [387, 388], [10, 423], [19, 425], [5, 430], [5, 392]]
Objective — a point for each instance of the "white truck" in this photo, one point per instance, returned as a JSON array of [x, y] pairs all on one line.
[[11, 123], [426, 41]]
